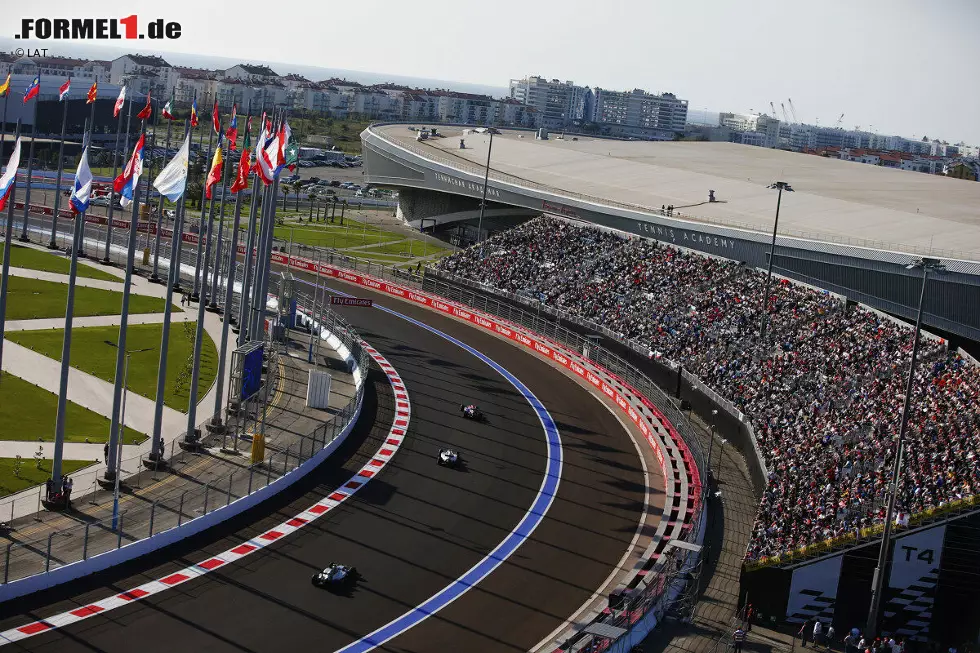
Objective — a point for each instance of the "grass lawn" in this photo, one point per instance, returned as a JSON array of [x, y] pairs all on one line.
[[406, 248], [30, 475], [31, 299], [338, 238], [27, 257], [90, 353], [38, 423]]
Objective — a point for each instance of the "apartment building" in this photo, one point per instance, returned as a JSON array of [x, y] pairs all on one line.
[[639, 114], [558, 104]]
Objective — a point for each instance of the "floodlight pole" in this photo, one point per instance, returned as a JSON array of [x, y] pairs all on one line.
[[878, 581]]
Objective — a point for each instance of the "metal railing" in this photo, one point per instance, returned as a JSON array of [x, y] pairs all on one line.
[[143, 518]]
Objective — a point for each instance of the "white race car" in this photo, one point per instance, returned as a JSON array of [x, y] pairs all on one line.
[[335, 576], [448, 458]]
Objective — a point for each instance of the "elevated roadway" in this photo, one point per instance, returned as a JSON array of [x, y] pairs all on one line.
[[850, 228]]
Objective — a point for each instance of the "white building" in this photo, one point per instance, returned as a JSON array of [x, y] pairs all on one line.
[[194, 83], [757, 129], [640, 114], [144, 74], [253, 74], [557, 103], [83, 70]]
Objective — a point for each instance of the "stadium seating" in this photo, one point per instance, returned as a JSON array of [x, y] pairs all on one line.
[[824, 390]]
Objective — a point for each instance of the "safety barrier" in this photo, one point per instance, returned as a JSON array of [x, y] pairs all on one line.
[[64, 555], [659, 578]]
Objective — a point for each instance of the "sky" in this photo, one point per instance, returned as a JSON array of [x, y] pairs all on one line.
[[896, 66]]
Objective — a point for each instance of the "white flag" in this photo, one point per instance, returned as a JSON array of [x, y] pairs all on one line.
[[173, 178], [7, 180], [81, 194]]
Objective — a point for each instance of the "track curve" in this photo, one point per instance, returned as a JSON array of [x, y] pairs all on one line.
[[415, 527]]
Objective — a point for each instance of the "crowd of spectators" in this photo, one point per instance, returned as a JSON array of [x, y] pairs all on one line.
[[824, 390]]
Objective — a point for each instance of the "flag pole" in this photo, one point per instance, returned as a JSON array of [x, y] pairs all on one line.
[[59, 429], [213, 306], [115, 168], [179, 234], [115, 428], [229, 317], [88, 139], [155, 459], [147, 205], [30, 161], [191, 438], [155, 277], [8, 234], [261, 292], [53, 243], [195, 293]]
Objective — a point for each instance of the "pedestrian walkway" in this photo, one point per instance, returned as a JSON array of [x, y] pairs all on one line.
[[200, 482], [730, 518], [99, 320], [96, 395]]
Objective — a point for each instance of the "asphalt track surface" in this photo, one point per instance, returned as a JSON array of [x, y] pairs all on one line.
[[410, 531]]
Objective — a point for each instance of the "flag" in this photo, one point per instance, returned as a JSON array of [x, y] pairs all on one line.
[[264, 165], [130, 176], [283, 143], [93, 92], [82, 191], [216, 119], [247, 141], [168, 108], [217, 165], [292, 156], [120, 101], [5, 87], [232, 133], [33, 89], [194, 113], [172, 180], [147, 110], [63, 89], [241, 179], [7, 180]]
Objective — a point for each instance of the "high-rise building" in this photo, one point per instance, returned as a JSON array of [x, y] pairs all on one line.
[[557, 103], [639, 114]]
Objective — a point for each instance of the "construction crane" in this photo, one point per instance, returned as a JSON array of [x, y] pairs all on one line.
[[839, 121], [792, 110], [785, 117], [773, 107]]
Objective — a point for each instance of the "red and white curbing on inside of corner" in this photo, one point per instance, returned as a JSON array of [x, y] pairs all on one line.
[[396, 435]]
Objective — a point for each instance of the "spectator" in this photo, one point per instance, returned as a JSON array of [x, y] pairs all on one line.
[[817, 633], [738, 639], [831, 636], [823, 393], [805, 631]]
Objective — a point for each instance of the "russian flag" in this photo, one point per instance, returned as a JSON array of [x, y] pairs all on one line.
[[32, 90], [7, 180], [63, 89], [130, 176]]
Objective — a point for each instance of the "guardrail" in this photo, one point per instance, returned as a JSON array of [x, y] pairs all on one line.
[[151, 525], [428, 150], [655, 588]]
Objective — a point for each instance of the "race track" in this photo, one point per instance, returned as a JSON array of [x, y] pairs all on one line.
[[412, 530]]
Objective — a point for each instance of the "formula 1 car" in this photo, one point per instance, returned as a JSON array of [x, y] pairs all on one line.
[[335, 576], [473, 412], [448, 458]]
